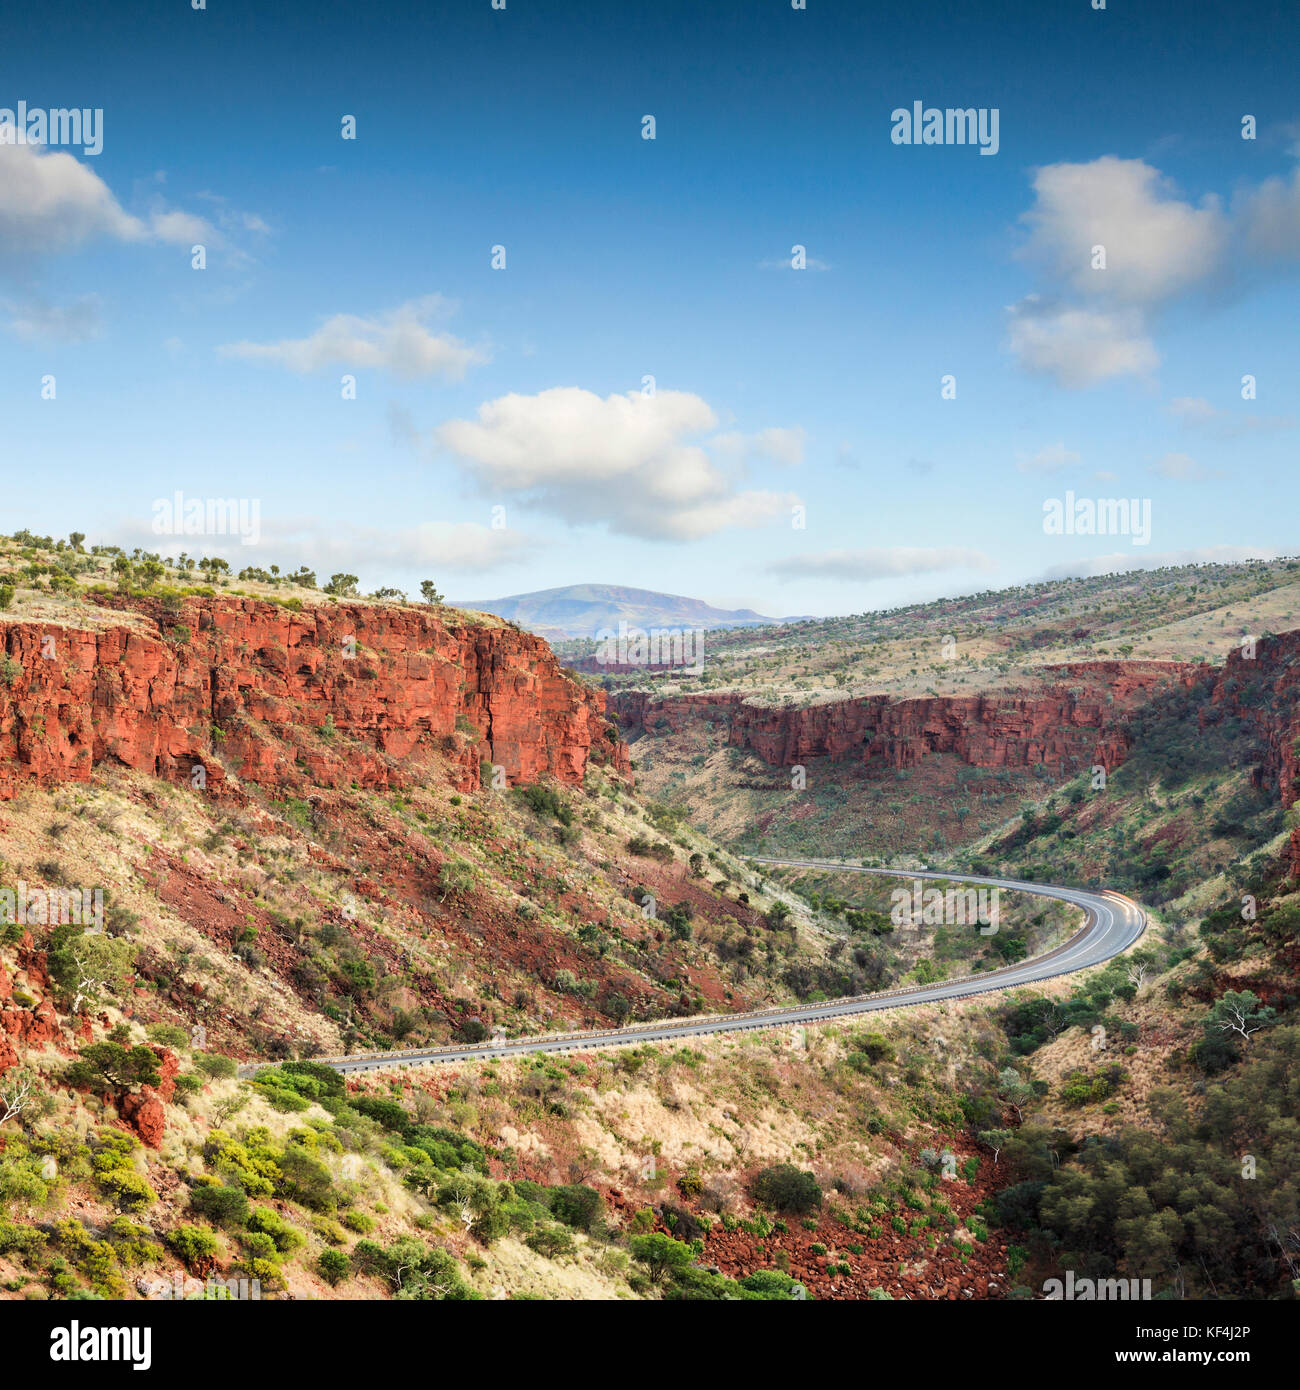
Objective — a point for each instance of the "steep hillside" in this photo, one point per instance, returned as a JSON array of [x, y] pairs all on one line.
[[1212, 776], [381, 766], [234, 830], [409, 826], [874, 773], [988, 641], [922, 729]]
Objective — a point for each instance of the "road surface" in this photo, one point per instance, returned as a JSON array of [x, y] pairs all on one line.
[[1112, 924]]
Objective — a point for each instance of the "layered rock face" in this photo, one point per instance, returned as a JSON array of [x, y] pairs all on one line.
[[330, 695], [1077, 717], [1263, 689], [26, 1022]]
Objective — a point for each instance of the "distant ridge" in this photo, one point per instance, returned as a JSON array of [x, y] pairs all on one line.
[[583, 610]]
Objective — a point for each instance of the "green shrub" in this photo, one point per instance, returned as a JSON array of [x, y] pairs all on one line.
[[188, 1084], [875, 1047], [23, 1241], [306, 1179], [219, 1204], [552, 1242], [787, 1188], [20, 1176], [662, 1255], [490, 1225], [414, 1270], [272, 1224], [135, 1245], [333, 1266], [95, 1260], [387, 1112], [576, 1205], [258, 1245], [251, 1164], [193, 1245], [215, 1066], [771, 1283], [114, 1168]]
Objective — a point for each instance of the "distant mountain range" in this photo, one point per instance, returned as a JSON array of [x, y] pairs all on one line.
[[583, 610]]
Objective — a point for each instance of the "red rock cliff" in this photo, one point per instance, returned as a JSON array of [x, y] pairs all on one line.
[[1263, 690], [331, 695], [1077, 717]]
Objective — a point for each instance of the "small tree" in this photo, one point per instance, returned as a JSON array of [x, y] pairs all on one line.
[[1014, 1090], [787, 1188], [429, 592], [995, 1139], [87, 964], [333, 1265], [661, 1255], [778, 918], [1240, 1012], [1137, 975], [456, 875], [112, 1067], [222, 1205], [18, 1092]]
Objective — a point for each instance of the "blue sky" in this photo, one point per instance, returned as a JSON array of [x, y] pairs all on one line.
[[522, 388]]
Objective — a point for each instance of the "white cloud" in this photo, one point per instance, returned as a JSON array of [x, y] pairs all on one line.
[[1192, 410], [1079, 347], [429, 549], [50, 201], [1052, 459], [1269, 219], [177, 228], [642, 465], [880, 562], [1127, 560], [35, 321], [1156, 244], [1195, 412], [398, 340], [1181, 468], [775, 445], [233, 220]]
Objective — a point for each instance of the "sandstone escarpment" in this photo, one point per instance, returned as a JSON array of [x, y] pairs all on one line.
[[1261, 686], [333, 695], [1077, 717]]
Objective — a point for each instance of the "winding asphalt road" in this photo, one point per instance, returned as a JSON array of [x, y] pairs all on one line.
[[1112, 924]]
